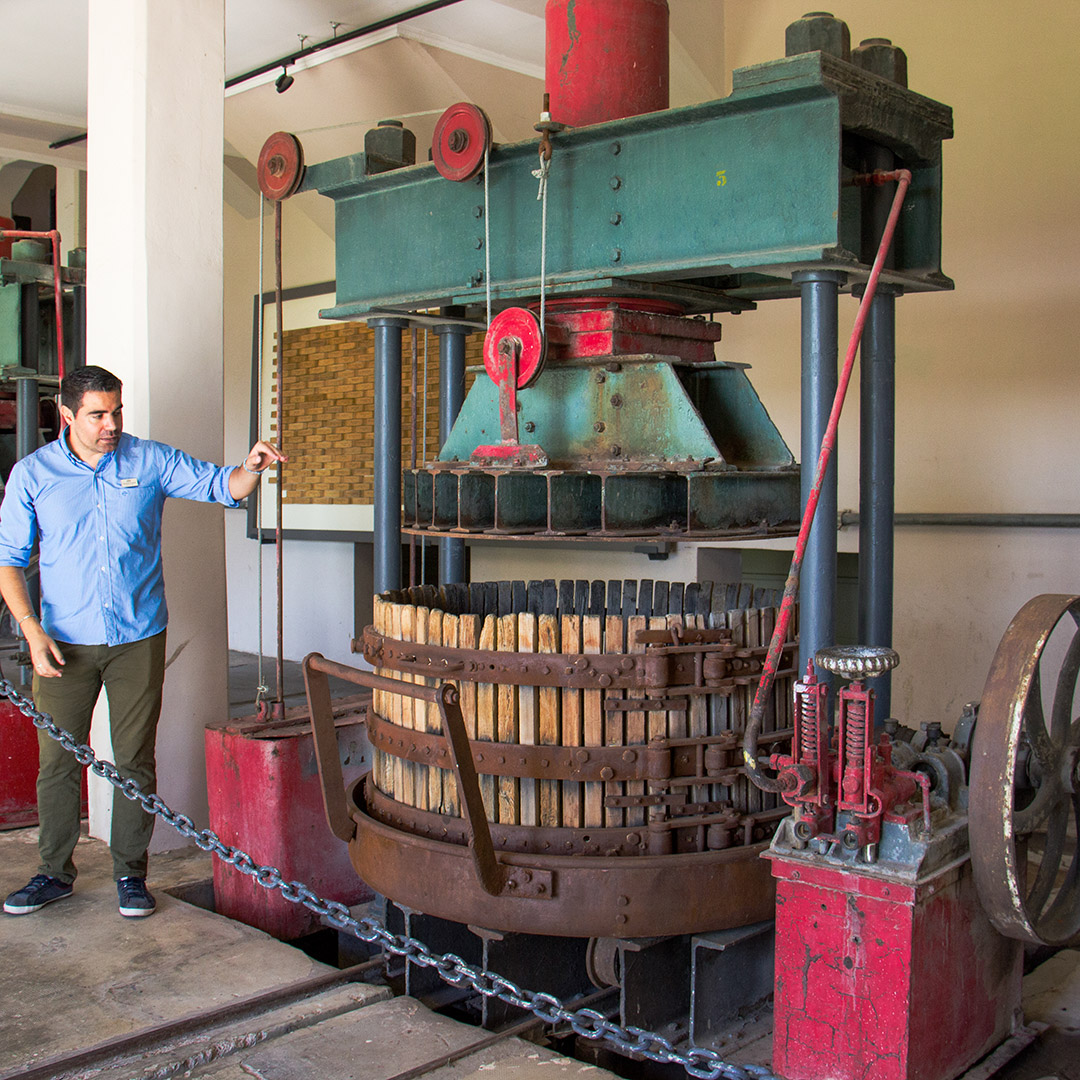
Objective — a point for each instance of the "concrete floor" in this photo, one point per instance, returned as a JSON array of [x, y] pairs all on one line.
[[76, 975]]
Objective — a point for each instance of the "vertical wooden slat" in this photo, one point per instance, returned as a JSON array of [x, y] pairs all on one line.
[[550, 725], [636, 725], [401, 710], [419, 711], [593, 723], [381, 766], [753, 639], [528, 718], [507, 724], [698, 721], [433, 720], [486, 713], [571, 724], [451, 635], [614, 723]]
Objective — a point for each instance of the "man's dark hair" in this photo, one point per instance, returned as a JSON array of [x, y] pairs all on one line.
[[84, 380]]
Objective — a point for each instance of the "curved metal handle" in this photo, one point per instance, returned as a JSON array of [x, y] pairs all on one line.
[[496, 878]]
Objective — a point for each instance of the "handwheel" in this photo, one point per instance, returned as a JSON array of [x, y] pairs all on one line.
[[1024, 802]]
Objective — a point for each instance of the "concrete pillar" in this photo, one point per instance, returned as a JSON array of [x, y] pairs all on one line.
[[154, 317], [71, 208]]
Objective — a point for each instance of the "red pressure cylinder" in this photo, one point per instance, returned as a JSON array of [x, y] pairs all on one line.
[[606, 59]]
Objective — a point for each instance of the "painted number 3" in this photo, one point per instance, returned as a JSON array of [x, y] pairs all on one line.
[[721, 177]]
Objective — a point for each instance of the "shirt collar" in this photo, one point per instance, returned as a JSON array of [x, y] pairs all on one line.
[[75, 459]]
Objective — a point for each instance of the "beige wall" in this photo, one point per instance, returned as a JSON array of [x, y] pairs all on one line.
[[987, 388], [986, 385]]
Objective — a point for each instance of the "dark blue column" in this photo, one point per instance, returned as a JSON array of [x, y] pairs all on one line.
[[451, 396], [387, 453], [819, 290], [877, 481]]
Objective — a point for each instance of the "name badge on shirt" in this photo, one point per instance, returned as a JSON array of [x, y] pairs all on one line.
[[129, 482]]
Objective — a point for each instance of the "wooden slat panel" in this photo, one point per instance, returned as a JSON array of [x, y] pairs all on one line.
[[419, 710], [636, 728], [433, 721], [593, 722], [451, 635], [486, 714], [571, 724], [528, 719], [507, 724], [550, 722], [614, 722], [401, 712]]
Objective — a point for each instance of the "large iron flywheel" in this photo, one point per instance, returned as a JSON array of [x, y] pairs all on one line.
[[1025, 777]]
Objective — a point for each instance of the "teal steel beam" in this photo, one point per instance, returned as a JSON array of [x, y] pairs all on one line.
[[731, 196]]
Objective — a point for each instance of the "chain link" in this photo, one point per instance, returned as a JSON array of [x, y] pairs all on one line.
[[588, 1023]]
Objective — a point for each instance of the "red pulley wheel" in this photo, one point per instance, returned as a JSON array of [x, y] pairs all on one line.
[[520, 330], [462, 134], [281, 166]]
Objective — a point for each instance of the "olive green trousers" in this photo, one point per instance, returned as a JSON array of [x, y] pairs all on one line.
[[132, 675]]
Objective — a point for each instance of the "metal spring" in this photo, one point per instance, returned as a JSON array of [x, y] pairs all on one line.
[[808, 726], [855, 732]]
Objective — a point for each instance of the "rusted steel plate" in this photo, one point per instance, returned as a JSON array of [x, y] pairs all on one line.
[[709, 666], [1018, 749], [521, 760], [592, 897]]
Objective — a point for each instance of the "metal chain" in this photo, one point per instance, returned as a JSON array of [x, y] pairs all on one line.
[[588, 1023]]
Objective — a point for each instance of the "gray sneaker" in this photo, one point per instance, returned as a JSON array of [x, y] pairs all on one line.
[[135, 901], [36, 893]]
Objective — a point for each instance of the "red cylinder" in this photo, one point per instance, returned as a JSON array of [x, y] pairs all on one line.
[[606, 59]]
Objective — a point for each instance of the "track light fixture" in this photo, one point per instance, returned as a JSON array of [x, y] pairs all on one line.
[[283, 81]]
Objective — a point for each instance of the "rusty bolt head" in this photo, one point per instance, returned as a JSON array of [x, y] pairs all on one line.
[[881, 57], [623, 901], [616, 451], [633, 838], [616, 218], [818, 31], [616, 400], [598, 426], [607, 772], [600, 377], [530, 426], [582, 755], [629, 756], [620, 919]]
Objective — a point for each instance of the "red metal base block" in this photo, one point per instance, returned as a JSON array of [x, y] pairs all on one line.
[[18, 768], [878, 979], [264, 794]]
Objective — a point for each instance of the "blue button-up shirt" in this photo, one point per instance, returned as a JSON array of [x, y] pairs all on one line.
[[99, 533]]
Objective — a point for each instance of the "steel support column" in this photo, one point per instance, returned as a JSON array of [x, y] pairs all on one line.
[[387, 453], [877, 435], [877, 480], [819, 290], [451, 395]]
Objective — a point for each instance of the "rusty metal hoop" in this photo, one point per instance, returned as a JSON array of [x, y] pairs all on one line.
[[462, 137], [281, 166], [1025, 781]]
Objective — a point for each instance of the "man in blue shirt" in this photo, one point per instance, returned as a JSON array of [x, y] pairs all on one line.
[[92, 502]]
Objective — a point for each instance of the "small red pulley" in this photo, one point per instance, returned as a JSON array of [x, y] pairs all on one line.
[[514, 336], [462, 135], [281, 166]]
